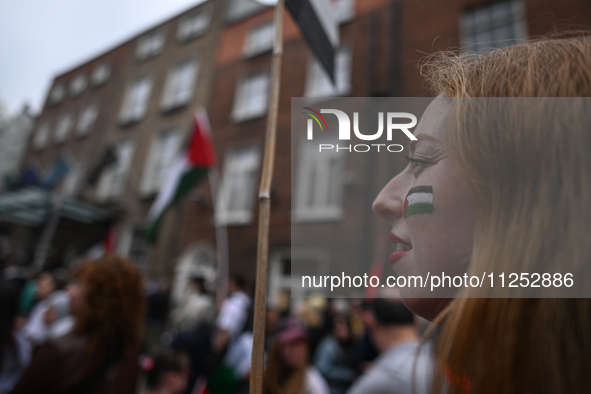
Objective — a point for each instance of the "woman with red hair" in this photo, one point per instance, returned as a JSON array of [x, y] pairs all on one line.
[[498, 181], [100, 354]]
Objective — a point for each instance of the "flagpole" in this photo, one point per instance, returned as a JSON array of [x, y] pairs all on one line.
[[221, 238], [260, 298]]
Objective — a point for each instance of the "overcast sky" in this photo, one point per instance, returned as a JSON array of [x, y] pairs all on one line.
[[40, 39]]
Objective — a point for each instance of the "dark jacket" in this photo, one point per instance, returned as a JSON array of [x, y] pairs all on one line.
[[61, 366]]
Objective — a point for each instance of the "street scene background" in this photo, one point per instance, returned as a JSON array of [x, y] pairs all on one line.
[[80, 172]]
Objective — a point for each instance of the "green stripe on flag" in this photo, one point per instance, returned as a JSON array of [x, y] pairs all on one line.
[[419, 207], [188, 180]]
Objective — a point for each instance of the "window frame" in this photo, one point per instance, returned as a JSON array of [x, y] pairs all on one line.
[[73, 180], [64, 127], [129, 112], [151, 44], [489, 24], [77, 85], [153, 164], [252, 49], [242, 95], [40, 143], [234, 11], [308, 182], [125, 244], [100, 74], [57, 94], [170, 96], [243, 215], [107, 188], [85, 126], [186, 33]]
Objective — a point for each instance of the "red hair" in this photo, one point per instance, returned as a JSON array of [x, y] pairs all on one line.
[[113, 305]]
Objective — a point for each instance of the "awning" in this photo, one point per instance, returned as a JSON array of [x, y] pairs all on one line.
[[31, 206]]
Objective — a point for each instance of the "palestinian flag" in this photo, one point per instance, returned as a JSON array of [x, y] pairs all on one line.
[[418, 200], [185, 174]]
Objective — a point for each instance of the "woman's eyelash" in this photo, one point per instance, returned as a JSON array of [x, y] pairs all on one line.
[[414, 161]]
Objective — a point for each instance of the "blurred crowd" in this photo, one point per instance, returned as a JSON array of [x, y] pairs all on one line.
[[99, 329]]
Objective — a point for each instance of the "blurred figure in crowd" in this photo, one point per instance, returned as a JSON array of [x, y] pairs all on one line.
[[316, 316], [157, 300], [15, 351], [233, 313], [288, 370], [57, 317], [271, 325], [197, 345], [100, 355], [332, 357], [166, 371], [403, 366], [197, 308], [29, 291], [194, 319], [36, 330], [364, 352], [233, 341]]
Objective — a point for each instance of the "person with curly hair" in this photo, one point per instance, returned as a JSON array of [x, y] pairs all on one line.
[[100, 354]]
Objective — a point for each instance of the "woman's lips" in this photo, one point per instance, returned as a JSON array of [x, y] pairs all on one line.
[[396, 255], [402, 247]]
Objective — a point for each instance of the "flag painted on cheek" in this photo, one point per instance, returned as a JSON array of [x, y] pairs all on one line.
[[418, 200]]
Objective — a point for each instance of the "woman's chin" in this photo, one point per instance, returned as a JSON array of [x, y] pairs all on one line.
[[427, 308]]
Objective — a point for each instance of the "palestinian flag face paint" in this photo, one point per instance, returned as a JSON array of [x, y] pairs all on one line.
[[418, 200]]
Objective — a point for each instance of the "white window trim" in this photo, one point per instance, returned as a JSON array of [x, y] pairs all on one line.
[[126, 115], [322, 258], [184, 34], [250, 50], [150, 185], [100, 75], [72, 182], [57, 94], [125, 243], [78, 85], [105, 190], [239, 217], [234, 11], [238, 112], [303, 186], [145, 46], [64, 127], [42, 136], [170, 99], [85, 126]]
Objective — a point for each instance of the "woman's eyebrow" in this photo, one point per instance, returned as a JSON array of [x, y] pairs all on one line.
[[423, 137]]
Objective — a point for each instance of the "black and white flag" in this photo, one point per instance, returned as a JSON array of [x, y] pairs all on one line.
[[318, 24]]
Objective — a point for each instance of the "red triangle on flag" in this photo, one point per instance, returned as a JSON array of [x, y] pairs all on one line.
[[201, 152]]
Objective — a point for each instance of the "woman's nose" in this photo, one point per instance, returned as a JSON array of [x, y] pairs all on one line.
[[388, 204]]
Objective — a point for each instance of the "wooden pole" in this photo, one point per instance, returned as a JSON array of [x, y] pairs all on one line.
[[260, 298]]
